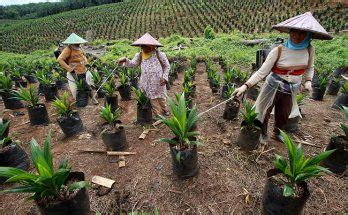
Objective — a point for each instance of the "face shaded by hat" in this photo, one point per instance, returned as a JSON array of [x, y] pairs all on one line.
[[74, 39], [304, 22], [147, 40]]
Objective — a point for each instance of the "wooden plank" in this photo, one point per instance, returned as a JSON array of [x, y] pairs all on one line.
[[102, 181], [157, 122], [121, 162], [120, 153], [143, 135]]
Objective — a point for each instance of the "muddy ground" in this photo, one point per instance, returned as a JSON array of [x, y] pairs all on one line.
[[230, 181]]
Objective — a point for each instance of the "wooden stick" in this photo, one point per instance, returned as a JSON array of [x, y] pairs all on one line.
[[157, 122], [90, 151], [110, 153]]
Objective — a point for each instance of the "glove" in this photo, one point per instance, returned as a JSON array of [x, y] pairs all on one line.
[[308, 85], [240, 90]]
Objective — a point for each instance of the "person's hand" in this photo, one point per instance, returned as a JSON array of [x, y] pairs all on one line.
[[240, 90], [163, 81], [121, 60], [308, 86]]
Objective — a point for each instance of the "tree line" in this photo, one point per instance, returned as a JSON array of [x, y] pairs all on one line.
[[36, 10]]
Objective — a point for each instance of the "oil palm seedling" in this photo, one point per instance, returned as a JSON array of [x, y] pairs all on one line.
[[53, 190], [334, 86], [124, 88], [133, 75], [111, 97], [286, 190], [82, 93], [215, 83], [113, 134], [342, 99], [10, 102], [337, 162], [232, 106], [250, 128], [144, 111], [49, 88], [59, 79], [189, 89], [69, 119], [37, 111], [16, 75], [97, 80], [320, 88], [183, 146]]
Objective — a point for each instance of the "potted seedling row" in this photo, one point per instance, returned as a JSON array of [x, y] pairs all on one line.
[[113, 133], [11, 154], [293, 123], [50, 89], [144, 110], [110, 95], [69, 120], [37, 111], [54, 191], [124, 88], [183, 147], [338, 161], [342, 99], [8, 94], [249, 137], [286, 190], [232, 106]]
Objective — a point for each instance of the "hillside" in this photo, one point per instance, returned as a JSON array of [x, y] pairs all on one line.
[[130, 19]]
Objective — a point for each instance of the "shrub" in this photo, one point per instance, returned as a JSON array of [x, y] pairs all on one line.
[[209, 33]]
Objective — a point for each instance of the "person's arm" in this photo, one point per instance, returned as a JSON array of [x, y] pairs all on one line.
[[310, 70], [166, 65], [265, 68], [134, 62], [62, 57]]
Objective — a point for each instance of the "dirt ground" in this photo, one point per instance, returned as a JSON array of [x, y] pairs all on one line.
[[230, 181]]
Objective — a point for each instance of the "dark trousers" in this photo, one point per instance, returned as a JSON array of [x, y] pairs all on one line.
[[282, 104]]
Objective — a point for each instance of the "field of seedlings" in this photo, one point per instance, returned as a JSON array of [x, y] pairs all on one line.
[[223, 176], [189, 18]]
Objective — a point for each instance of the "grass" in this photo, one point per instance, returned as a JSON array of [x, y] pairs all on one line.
[[328, 54]]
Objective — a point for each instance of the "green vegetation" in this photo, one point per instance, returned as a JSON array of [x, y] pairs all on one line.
[[48, 182], [130, 19], [344, 88], [141, 97], [109, 88], [181, 122], [28, 95], [64, 107], [249, 116], [297, 168], [109, 116]]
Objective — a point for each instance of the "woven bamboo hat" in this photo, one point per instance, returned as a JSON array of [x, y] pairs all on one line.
[[147, 39], [74, 39], [304, 22]]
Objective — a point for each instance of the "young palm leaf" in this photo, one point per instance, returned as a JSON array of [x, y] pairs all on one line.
[[109, 116], [297, 168], [28, 95], [141, 97], [64, 106]]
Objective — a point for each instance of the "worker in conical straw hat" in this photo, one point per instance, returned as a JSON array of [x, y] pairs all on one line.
[[285, 67], [73, 60], [154, 71]]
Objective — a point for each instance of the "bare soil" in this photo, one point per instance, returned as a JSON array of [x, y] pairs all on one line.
[[230, 181]]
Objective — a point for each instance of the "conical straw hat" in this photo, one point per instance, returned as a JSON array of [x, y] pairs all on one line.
[[74, 39], [304, 22], [146, 39]]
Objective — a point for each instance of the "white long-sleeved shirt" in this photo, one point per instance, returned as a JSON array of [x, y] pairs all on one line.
[[289, 59]]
